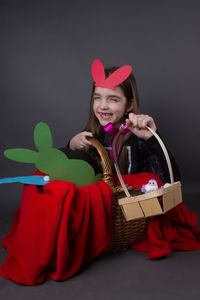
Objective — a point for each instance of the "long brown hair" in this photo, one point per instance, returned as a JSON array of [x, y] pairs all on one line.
[[129, 88]]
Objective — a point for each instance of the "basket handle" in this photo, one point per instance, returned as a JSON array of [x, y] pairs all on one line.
[[164, 149], [107, 175], [117, 167]]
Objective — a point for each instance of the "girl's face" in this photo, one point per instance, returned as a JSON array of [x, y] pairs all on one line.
[[109, 105]]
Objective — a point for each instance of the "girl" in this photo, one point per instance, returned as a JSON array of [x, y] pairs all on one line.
[[138, 150]]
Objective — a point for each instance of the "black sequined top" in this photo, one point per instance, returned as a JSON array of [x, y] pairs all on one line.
[[147, 156]]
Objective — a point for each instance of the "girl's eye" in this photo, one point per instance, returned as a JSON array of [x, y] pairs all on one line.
[[114, 99], [96, 98]]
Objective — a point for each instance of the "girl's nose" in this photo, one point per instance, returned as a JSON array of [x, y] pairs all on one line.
[[104, 104]]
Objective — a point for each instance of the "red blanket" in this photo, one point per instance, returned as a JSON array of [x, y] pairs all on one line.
[[176, 230], [55, 231]]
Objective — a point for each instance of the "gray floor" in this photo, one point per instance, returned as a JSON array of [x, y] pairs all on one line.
[[126, 275]]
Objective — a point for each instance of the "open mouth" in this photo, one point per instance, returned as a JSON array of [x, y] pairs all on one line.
[[105, 116]]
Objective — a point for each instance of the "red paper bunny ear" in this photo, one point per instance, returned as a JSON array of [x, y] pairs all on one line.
[[113, 80], [98, 72]]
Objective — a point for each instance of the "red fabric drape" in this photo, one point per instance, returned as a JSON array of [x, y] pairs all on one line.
[[59, 228], [176, 230], [55, 231]]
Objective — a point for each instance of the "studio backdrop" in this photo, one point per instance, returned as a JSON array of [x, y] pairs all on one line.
[[47, 48]]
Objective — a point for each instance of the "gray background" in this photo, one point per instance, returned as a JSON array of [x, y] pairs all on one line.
[[46, 52]]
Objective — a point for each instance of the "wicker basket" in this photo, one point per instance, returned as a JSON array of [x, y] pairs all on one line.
[[124, 233], [132, 214]]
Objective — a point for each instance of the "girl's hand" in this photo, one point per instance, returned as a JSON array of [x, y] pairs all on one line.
[[137, 124], [80, 141]]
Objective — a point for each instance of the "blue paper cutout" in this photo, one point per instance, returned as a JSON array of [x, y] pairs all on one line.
[[35, 179]]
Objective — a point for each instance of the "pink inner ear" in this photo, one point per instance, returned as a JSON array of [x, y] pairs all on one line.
[[113, 80]]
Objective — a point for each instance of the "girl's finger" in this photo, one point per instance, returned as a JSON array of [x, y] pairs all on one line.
[[87, 133], [140, 121], [129, 123], [151, 123], [133, 119], [146, 121], [84, 138], [87, 142]]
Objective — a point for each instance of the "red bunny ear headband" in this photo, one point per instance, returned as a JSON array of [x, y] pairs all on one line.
[[113, 80]]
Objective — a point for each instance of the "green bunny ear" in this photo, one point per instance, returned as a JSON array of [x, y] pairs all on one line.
[[42, 136], [21, 155]]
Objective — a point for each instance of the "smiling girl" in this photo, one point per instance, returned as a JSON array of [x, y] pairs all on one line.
[[138, 150]]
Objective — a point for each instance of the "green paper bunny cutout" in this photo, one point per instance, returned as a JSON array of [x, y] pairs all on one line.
[[53, 161]]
